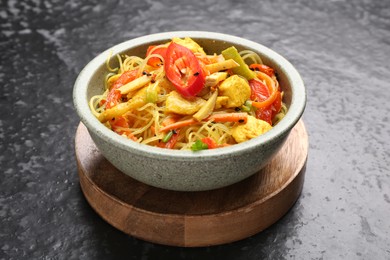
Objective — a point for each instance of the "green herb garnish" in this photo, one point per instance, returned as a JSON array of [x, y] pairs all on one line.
[[199, 145]]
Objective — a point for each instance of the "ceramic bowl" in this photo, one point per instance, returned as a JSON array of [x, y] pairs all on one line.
[[188, 170]]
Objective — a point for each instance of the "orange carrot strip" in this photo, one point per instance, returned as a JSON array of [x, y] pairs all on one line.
[[268, 80], [178, 124], [228, 117], [272, 89], [266, 103], [218, 118], [168, 121], [263, 68]]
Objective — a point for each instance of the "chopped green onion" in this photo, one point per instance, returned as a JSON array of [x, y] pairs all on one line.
[[243, 69], [167, 137], [151, 96], [199, 145], [245, 108], [151, 93], [248, 103]]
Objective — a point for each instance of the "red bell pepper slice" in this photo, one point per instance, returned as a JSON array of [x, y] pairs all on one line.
[[183, 69]]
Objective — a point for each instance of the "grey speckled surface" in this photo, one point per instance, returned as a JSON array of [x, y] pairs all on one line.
[[342, 50]]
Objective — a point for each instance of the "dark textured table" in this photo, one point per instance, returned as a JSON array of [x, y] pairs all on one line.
[[342, 50]]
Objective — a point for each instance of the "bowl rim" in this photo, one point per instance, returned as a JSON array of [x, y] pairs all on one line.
[[296, 109]]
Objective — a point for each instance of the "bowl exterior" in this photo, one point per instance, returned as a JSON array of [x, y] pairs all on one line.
[[186, 174]]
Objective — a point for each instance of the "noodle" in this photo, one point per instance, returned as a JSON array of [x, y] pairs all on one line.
[[147, 109], [246, 54], [108, 63]]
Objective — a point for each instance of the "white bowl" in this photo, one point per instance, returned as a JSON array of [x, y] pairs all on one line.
[[188, 170]]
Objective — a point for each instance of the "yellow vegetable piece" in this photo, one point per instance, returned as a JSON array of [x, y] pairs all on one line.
[[208, 107], [236, 89], [137, 101], [135, 84], [221, 102], [190, 44], [223, 65], [175, 103], [253, 128], [213, 79]]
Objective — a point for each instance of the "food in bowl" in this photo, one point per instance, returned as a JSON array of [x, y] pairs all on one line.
[[180, 97], [185, 170]]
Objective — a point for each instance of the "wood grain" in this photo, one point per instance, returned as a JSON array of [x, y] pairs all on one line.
[[193, 219]]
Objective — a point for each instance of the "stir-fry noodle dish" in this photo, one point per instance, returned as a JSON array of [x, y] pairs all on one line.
[[179, 97]]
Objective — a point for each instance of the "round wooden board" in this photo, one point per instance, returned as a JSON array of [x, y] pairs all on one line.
[[193, 219]]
